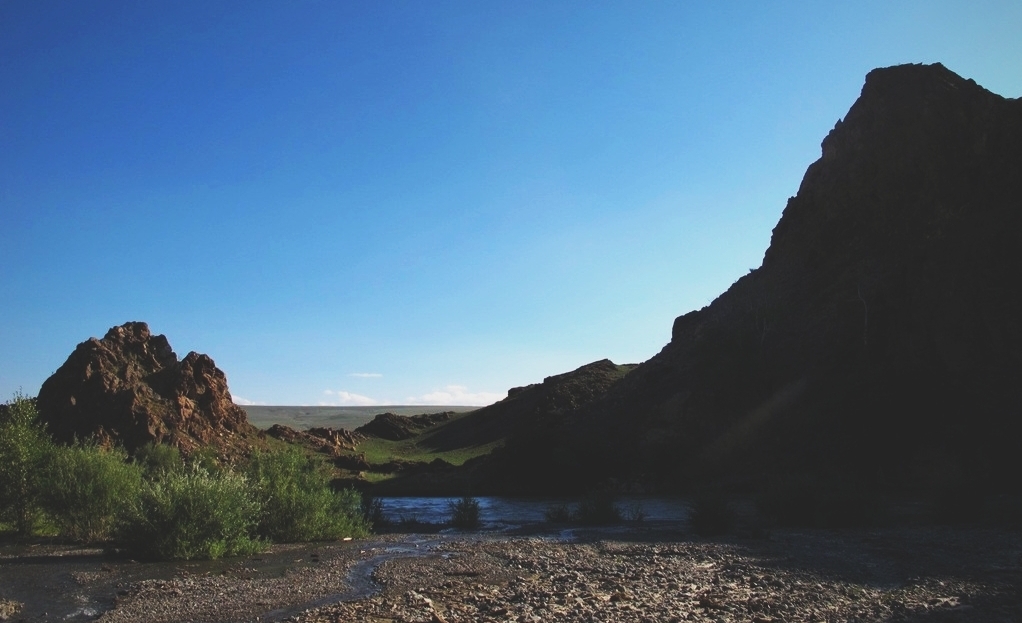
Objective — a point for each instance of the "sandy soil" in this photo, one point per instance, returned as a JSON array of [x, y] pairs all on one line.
[[640, 574]]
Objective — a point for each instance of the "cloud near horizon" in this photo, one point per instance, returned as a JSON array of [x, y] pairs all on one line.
[[456, 395], [347, 399], [366, 375], [243, 402]]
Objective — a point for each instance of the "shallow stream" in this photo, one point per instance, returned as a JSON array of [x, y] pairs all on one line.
[[506, 513]]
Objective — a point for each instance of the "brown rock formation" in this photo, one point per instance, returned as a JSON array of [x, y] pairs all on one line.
[[333, 442], [129, 388]]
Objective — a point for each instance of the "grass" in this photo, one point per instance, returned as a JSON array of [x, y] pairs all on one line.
[[381, 451]]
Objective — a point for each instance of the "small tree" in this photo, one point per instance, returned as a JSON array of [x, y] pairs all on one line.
[[24, 448]]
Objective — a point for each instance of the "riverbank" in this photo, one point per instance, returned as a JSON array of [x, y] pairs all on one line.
[[638, 574]]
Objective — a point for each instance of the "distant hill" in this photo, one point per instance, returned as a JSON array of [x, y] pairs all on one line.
[[880, 341]]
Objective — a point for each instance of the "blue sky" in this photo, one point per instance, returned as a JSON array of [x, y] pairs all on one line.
[[418, 202]]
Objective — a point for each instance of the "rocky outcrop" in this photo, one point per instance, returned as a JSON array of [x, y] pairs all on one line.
[[129, 388], [333, 442], [881, 339], [397, 427]]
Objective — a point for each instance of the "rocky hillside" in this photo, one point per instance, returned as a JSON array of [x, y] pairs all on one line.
[[880, 340], [130, 388], [531, 410]]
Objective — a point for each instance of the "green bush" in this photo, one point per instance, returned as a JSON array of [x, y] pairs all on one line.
[[158, 460], [192, 514], [87, 488], [598, 508], [24, 449], [297, 501], [465, 513]]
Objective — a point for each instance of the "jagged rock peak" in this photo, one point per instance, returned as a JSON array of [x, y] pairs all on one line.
[[130, 388], [913, 127]]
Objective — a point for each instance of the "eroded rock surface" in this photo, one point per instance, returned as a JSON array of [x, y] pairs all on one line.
[[130, 388]]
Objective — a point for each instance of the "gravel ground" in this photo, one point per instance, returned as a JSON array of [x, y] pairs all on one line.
[[905, 574], [894, 575]]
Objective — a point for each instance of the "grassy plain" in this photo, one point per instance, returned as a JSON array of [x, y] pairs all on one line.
[[350, 418]]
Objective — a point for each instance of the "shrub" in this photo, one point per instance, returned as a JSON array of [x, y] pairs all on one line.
[[372, 512], [598, 508], [158, 460], [24, 449], [711, 515], [191, 514], [465, 513], [558, 513], [297, 501], [87, 488], [207, 459]]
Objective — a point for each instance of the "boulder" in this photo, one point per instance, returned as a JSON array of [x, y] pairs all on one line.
[[129, 388]]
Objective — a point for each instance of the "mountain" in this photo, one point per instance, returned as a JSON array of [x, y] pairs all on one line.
[[130, 388], [880, 340]]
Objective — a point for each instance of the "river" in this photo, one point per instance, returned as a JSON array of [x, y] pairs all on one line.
[[506, 513]]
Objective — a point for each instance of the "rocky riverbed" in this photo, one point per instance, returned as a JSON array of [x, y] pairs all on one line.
[[640, 574]]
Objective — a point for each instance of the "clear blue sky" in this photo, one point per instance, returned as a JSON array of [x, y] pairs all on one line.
[[418, 202]]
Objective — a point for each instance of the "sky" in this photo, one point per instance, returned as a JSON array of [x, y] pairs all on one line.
[[407, 202]]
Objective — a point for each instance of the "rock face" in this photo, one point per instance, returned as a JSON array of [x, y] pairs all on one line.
[[130, 388], [881, 339]]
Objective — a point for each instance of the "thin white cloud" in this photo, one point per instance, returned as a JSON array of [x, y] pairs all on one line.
[[244, 402], [456, 395], [366, 375], [346, 399]]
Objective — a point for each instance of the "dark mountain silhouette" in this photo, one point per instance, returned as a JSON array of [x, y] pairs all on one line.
[[880, 340]]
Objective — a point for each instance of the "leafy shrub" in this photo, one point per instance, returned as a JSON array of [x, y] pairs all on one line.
[[24, 449], [87, 488], [192, 514], [711, 515], [465, 513], [297, 501], [598, 508], [158, 460], [558, 513], [206, 458], [372, 512]]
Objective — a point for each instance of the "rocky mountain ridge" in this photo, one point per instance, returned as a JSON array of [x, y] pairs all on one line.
[[880, 340]]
